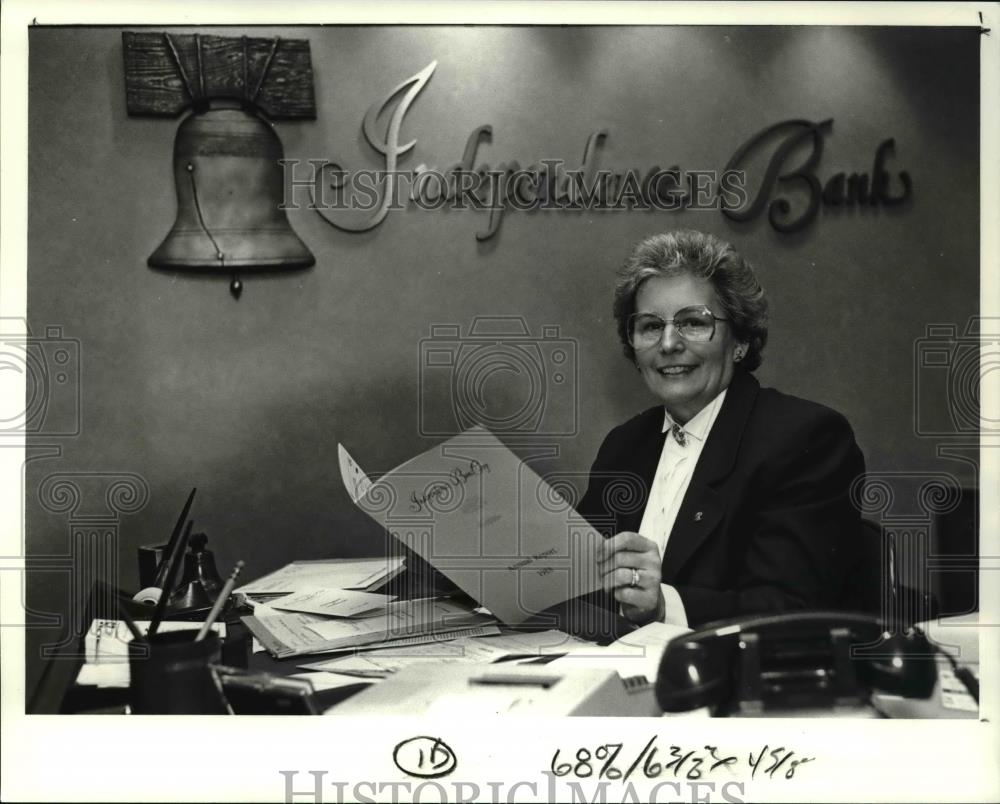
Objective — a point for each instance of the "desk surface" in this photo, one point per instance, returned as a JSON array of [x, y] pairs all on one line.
[[58, 693]]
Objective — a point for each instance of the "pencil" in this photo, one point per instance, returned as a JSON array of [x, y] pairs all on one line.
[[136, 633], [220, 601], [161, 568], [168, 584]]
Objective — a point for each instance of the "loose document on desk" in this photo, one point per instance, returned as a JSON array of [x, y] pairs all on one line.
[[486, 520], [464, 650], [635, 654]]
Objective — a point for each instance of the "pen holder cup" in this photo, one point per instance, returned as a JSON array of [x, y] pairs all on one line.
[[236, 646], [170, 674]]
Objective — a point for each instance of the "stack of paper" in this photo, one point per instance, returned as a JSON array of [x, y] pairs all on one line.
[[297, 633], [420, 639], [363, 574]]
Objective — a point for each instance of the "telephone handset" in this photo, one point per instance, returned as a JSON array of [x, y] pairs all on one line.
[[789, 661]]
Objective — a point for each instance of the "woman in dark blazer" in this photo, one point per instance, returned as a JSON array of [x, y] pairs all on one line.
[[727, 498]]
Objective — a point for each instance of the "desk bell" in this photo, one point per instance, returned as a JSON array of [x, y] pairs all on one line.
[[200, 584]]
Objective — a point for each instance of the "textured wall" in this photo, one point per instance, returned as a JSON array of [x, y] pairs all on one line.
[[183, 386]]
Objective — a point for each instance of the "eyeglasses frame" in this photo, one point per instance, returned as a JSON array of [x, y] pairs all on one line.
[[700, 307]]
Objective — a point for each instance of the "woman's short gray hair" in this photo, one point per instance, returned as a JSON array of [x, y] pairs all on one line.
[[708, 257]]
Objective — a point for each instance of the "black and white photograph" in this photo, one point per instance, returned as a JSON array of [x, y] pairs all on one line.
[[580, 401]]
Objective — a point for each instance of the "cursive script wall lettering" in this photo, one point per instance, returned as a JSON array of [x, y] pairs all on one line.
[[841, 190], [547, 184]]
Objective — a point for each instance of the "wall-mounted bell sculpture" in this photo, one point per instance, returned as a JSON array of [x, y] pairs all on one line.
[[227, 169], [229, 189]]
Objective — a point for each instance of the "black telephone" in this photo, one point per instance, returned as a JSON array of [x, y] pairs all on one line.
[[792, 661]]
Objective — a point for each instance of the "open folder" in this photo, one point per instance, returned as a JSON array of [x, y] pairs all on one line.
[[486, 520]]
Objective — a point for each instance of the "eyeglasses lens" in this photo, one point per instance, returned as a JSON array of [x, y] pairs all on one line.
[[691, 323]]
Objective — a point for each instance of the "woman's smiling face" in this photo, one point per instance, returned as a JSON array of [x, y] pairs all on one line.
[[685, 375]]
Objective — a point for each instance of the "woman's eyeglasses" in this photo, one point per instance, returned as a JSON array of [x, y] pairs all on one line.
[[695, 324]]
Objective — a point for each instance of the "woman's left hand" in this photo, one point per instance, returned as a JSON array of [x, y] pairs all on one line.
[[629, 566]]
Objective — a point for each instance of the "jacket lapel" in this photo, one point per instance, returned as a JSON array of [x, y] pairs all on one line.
[[703, 506]]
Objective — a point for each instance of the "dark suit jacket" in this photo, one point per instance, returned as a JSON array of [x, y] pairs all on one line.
[[767, 523]]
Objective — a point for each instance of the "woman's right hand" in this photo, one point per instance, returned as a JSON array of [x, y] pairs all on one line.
[[629, 566]]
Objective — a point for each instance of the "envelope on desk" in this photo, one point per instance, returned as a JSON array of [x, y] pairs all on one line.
[[332, 602], [485, 519], [362, 574]]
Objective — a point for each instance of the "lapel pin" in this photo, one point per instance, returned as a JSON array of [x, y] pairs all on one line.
[[697, 516]]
